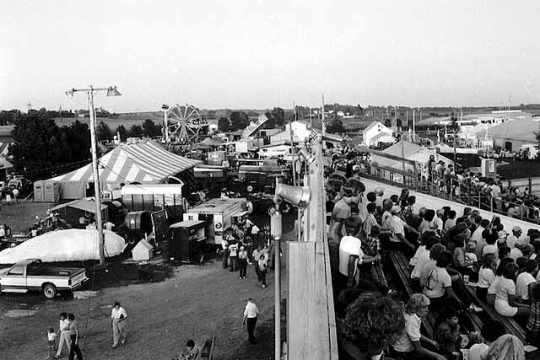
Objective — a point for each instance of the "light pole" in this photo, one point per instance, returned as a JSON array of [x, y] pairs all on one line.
[[111, 91], [414, 124]]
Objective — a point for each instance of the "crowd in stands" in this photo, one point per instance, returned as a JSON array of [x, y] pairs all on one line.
[[447, 252]]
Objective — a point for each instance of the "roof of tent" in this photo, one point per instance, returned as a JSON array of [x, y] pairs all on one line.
[[143, 162], [81, 204]]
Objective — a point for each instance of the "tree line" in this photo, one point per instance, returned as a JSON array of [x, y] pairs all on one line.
[[39, 143]]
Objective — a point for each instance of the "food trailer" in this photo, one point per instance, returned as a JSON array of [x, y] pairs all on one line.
[[219, 214]]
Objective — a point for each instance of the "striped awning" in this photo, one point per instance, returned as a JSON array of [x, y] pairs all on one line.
[[143, 162]]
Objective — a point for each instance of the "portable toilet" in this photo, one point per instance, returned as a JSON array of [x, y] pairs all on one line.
[[143, 251], [38, 191], [51, 191]]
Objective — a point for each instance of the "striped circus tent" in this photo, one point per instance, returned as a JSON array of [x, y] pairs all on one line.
[[4, 149], [145, 162]]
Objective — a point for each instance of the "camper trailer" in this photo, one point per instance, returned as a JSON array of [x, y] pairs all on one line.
[[219, 214]]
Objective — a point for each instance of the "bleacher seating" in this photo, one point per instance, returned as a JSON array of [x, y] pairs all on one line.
[[509, 323]]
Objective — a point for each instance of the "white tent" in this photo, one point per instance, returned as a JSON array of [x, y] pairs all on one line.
[[64, 245]]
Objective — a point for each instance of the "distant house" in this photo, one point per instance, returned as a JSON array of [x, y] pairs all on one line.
[[377, 133]]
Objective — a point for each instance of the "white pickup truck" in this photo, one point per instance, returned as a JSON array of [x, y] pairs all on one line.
[[32, 275]]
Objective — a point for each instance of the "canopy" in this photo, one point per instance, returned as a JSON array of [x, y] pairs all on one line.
[[81, 204], [64, 245], [211, 142], [145, 162]]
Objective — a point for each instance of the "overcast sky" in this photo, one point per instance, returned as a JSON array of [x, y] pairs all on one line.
[[261, 54]]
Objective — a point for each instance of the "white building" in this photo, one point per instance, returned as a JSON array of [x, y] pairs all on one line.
[[377, 133], [300, 133]]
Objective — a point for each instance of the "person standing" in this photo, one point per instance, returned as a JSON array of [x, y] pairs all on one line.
[[256, 255], [263, 266], [118, 322], [15, 193], [242, 262], [74, 335], [233, 255], [251, 312], [63, 332]]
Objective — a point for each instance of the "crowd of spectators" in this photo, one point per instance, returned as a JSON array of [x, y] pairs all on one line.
[[446, 251]]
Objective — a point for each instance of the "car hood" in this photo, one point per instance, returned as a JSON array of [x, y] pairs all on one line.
[[4, 271]]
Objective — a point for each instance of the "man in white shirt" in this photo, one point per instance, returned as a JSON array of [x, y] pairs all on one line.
[[525, 279], [351, 254], [516, 235], [515, 252], [118, 322], [63, 331], [251, 312]]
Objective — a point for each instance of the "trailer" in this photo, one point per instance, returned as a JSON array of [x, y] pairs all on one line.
[[219, 214]]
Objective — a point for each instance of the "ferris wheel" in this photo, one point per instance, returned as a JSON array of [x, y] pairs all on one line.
[[182, 124]]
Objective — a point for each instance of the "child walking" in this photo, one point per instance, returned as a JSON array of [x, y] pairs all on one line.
[[51, 337]]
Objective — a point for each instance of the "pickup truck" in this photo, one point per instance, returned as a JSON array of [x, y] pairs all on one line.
[[32, 275]]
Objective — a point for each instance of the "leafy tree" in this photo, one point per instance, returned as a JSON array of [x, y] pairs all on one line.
[[276, 118], [224, 124], [335, 127], [103, 131], [9, 117], [77, 140], [37, 142], [239, 120], [121, 129], [150, 129], [136, 131]]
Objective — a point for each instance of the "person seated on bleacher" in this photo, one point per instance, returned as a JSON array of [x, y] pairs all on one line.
[[408, 345], [506, 302], [424, 270], [491, 293], [533, 322], [506, 347], [351, 256], [438, 286], [491, 242], [486, 276], [392, 222], [423, 249], [372, 322], [427, 223], [461, 261], [447, 332], [502, 253], [525, 280], [490, 332]]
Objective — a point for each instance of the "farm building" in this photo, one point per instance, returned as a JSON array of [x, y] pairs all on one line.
[[377, 133]]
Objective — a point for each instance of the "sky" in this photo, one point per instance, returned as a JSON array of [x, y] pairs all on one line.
[[241, 54]]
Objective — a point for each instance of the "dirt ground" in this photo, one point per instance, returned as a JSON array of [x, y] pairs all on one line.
[[197, 302]]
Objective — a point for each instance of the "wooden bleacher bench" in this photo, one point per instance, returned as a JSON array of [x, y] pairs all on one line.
[[377, 272], [509, 323], [401, 265]]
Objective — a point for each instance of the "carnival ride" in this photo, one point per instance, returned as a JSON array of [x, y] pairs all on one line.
[[183, 124]]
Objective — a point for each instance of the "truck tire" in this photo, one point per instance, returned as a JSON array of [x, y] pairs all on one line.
[[49, 290]]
